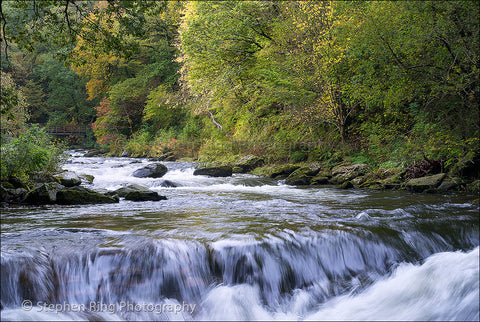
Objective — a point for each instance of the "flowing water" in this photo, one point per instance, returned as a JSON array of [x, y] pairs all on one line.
[[240, 248]]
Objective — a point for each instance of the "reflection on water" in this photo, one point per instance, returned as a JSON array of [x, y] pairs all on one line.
[[241, 248]]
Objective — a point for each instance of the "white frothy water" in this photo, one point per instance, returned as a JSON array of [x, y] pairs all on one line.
[[444, 288]]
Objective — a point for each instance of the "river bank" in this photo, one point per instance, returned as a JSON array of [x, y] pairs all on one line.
[[425, 177]]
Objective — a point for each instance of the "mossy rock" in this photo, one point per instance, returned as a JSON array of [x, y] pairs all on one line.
[[370, 183], [319, 180], [248, 163], [346, 185], [449, 183], [341, 174], [69, 179], [88, 178], [425, 183], [283, 171], [92, 153], [359, 180], [396, 173], [237, 170], [474, 186], [376, 187], [301, 177], [45, 193], [79, 195]]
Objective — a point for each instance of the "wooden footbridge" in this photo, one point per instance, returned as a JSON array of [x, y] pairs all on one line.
[[66, 130]]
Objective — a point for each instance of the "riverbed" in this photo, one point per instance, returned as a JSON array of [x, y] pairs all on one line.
[[240, 248]]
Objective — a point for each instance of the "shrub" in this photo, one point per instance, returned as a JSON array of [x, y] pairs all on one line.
[[31, 153]]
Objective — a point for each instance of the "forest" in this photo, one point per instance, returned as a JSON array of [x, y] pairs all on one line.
[[386, 83]]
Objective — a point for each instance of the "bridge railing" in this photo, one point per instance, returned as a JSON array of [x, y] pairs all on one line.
[[65, 129]]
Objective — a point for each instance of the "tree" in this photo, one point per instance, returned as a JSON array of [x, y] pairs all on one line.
[[13, 108], [60, 22]]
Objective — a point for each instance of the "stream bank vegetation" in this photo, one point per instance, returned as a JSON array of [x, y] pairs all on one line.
[[393, 85]]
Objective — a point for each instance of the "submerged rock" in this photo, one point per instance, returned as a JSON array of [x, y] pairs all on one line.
[[222, 171], [79, 195], [168, 184], [155, 170], [144, 196], [425, 183]]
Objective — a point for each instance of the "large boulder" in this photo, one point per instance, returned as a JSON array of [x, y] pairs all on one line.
[[425, 183], [122, 192], [68, 179], [301, 177], [222, 171], [247, 164], [80, 195], [154, 170], [45, 193], [341, 174], [283, 171], [144, 196]]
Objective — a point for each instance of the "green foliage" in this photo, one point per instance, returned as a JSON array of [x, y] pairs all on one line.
[[298, 156], [363, 82], [31, 153]]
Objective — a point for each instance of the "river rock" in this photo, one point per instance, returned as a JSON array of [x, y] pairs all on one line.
[[283, 171], [247, 164], [155, 170], [168, 184], [222, 171], [45, 193], [425, 183], [68, 179], [341, 174], [92, 153], [79, 195], [346, 185], [449, 183], [122, 192], [87, 178], [144, 196], [318, 180], [12, 195], [301, 177]]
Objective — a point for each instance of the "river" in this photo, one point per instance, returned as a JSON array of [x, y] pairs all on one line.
[[240, 248]]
